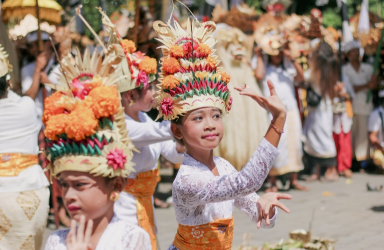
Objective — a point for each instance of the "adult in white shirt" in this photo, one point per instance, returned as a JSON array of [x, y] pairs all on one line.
[[24, 192], [151, 139], [283, 71], [362, 79], [43, 70], [375, 132]]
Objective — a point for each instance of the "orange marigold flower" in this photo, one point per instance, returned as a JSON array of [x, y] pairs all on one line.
[[149, 65], [177, 51], [170, 82], [55, 126], [211, 62], [81, 123], [204, 50], [50, 108], [103, 100], [128, 46], [171, 65], [225, 77]]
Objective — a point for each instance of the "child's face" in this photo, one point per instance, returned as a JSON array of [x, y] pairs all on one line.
[[146, 100], [202, 128], [85, 194]]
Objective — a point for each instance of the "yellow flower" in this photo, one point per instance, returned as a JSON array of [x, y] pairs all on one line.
[[211, 62], [103, 100], [171, 65], [177, 51], [225, 77]]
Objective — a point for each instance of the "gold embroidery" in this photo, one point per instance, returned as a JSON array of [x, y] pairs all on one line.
[[29, 202], [5, 225], [29, 244]]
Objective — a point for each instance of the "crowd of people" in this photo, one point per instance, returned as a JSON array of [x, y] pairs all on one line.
[[234, 115]]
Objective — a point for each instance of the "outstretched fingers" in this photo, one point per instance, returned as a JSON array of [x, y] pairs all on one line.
[[271, 87]]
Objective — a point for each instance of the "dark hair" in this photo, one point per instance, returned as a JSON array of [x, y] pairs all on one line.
[[325, 69], [3, 85]]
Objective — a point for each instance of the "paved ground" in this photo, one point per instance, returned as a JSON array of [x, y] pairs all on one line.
[[344, 211]]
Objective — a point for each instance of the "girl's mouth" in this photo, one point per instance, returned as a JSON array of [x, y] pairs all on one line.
[[73, 208], [210, 136]]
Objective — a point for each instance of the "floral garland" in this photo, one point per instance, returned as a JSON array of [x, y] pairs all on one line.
[[143, 68]]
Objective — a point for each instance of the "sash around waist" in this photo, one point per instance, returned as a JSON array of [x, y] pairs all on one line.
[[144, 184], [11, 164], [216, 235]]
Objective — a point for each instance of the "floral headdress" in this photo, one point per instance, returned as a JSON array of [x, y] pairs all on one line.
[[85, 127], [5, 66], [190, 78], [141, 68]]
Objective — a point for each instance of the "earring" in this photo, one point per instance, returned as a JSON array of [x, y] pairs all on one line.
[[114, 196], [179, 138]]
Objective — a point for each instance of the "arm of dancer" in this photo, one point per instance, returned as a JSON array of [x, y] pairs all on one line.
[[148, 132], [248, 205], [198, 188], [172, 151]]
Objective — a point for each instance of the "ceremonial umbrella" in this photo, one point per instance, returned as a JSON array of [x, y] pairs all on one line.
[[48, 10]]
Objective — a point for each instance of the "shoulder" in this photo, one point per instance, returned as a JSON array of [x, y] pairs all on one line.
[[224, 164], [144, 117], [28, 69], [56, 241]]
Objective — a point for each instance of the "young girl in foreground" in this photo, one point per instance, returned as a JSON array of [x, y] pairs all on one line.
[[194, 95], [90, 153]]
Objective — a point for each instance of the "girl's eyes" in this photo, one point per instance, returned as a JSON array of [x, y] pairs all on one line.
[[217, 116], [198, 118], [63, 184]]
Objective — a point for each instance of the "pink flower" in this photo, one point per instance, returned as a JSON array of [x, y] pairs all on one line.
[[166, 106], [116, 159], [187, 47], [142, 78]]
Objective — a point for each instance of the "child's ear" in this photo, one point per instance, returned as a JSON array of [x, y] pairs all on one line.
[[176, 131], [119, 183]]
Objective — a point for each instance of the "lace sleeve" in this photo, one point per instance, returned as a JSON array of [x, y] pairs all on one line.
[[137, 239], [200, 188], [56, 241], [247, 204]]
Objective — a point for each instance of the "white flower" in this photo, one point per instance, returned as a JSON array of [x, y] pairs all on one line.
[[197, 233]]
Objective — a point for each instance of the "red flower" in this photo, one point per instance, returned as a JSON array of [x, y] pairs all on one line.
[[166, 106]]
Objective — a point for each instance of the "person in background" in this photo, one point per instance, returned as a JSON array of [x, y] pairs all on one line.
[[342, 124], [319, 146], [24, 192], [362, 79], [375, 132], [283, 71]]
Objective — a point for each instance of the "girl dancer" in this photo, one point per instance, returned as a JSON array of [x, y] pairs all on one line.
[[90, 153], [150, 138], [194, 95]]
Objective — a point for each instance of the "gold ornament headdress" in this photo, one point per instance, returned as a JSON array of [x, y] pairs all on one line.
[[84, 119], [141, 69], [190, 78], [5, 66]]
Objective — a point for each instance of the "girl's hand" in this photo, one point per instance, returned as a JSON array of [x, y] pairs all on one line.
[[266, 206], [272, 103], [79, 240]]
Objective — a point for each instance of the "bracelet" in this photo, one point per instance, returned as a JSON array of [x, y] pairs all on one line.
[[279, 131]]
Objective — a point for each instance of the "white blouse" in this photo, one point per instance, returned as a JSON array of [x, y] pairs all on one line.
[[152, 139], [119, 235], [19, 129], [199, 197]]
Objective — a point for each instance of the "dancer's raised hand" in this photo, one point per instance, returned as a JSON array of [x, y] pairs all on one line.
[[266, 206], [271, 103], [79, 240]]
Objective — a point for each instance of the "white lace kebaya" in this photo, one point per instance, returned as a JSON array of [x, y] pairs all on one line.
[[199, 197], [119, 235]]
